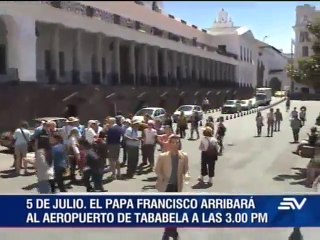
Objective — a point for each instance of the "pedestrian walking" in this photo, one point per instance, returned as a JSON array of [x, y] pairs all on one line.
[[195, 124], [94, 168], [149, 139], [302, 115], [220, 134], [318, 120], [278, 120], [294, 113], [182, 125], [288, 104], [296, 126], [21, 138], [209, 154], [259, 123], [270, 122], [73, 152], [133, 144], [210, 123], [114, 139], [205, 105], [171, 169], [59, 162], [168, 121], [43, 159]]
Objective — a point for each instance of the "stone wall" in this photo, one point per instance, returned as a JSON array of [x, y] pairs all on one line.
[[28, 101]]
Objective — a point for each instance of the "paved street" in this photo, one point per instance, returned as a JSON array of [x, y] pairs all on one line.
[[249, 165]]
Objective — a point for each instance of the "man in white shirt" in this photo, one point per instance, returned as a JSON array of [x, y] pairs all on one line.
[[133, 144], [91, 134], [65, 130], [22, 139], [149, 138]]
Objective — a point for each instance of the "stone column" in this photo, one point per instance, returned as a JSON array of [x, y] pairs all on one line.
[[208, 64], [174, 69], [154, 67], [217, 73], [22, 49], [144, 66], [55, 48], [164, 73], [77, 75], [196, 69], [183, 68], [132, 64], [97, 74], [116, 75], [189, 69], [212, 71]]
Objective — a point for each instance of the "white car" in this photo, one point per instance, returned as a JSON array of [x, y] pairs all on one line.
[[188, 111], [246, 104], [154, 112]]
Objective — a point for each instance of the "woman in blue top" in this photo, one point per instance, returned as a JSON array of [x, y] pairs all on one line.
[[59, 158]]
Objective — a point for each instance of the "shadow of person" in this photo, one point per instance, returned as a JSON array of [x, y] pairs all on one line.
[[10, 173], [202, 185], [296, 234]]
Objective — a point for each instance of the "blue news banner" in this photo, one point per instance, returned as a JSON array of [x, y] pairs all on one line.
[[207, 211]]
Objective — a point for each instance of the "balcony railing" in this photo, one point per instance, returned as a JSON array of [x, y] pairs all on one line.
[[92, 12]]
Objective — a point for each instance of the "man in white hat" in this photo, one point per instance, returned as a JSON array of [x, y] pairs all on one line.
[[132, 144], [65, 130]]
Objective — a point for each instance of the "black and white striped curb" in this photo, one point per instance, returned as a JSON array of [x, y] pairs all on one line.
[[245, 113]]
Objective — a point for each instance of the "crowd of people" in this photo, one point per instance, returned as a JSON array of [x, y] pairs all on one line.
[[81, 153]]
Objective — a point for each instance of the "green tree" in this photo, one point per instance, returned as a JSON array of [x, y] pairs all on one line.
[[308, 69]]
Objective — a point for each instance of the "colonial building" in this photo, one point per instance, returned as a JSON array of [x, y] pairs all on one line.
[[303, 39], [92, 55], [271, 68], [259, 63]]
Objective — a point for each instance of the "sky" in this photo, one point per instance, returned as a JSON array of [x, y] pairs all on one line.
[[272, 19]]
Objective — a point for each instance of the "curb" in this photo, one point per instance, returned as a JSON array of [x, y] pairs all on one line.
[[245, 113]]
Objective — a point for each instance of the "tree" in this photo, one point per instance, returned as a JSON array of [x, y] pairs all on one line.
[[308, 69]]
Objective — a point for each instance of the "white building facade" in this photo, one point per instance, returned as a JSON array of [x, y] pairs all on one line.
[[303, 39], [106, 43], [259, 63], [271, 68]]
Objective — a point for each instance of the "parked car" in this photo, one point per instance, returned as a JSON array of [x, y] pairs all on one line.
[[246, 104], [280, 93], [154, 112], [188, 111], [6, 138], [231, 106]]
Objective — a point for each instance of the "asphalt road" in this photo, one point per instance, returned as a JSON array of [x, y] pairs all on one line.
[[250, 165]]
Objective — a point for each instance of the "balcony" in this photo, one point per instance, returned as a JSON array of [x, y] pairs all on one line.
[[102, 15]]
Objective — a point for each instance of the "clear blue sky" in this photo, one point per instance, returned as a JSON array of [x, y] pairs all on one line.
[[274, 19]]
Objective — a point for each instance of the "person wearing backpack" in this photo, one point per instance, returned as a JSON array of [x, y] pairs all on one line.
[[21, 137], [209, 154]]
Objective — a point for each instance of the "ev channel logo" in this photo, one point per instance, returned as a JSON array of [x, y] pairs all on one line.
[[291, 204]]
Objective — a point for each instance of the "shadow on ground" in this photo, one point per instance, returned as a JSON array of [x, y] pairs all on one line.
[[202, 185], [6, 151], [298, 178]]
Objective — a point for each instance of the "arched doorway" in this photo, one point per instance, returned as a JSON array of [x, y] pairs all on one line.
[[3, 49], [71, 111], [9, 58], [275, 84]]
